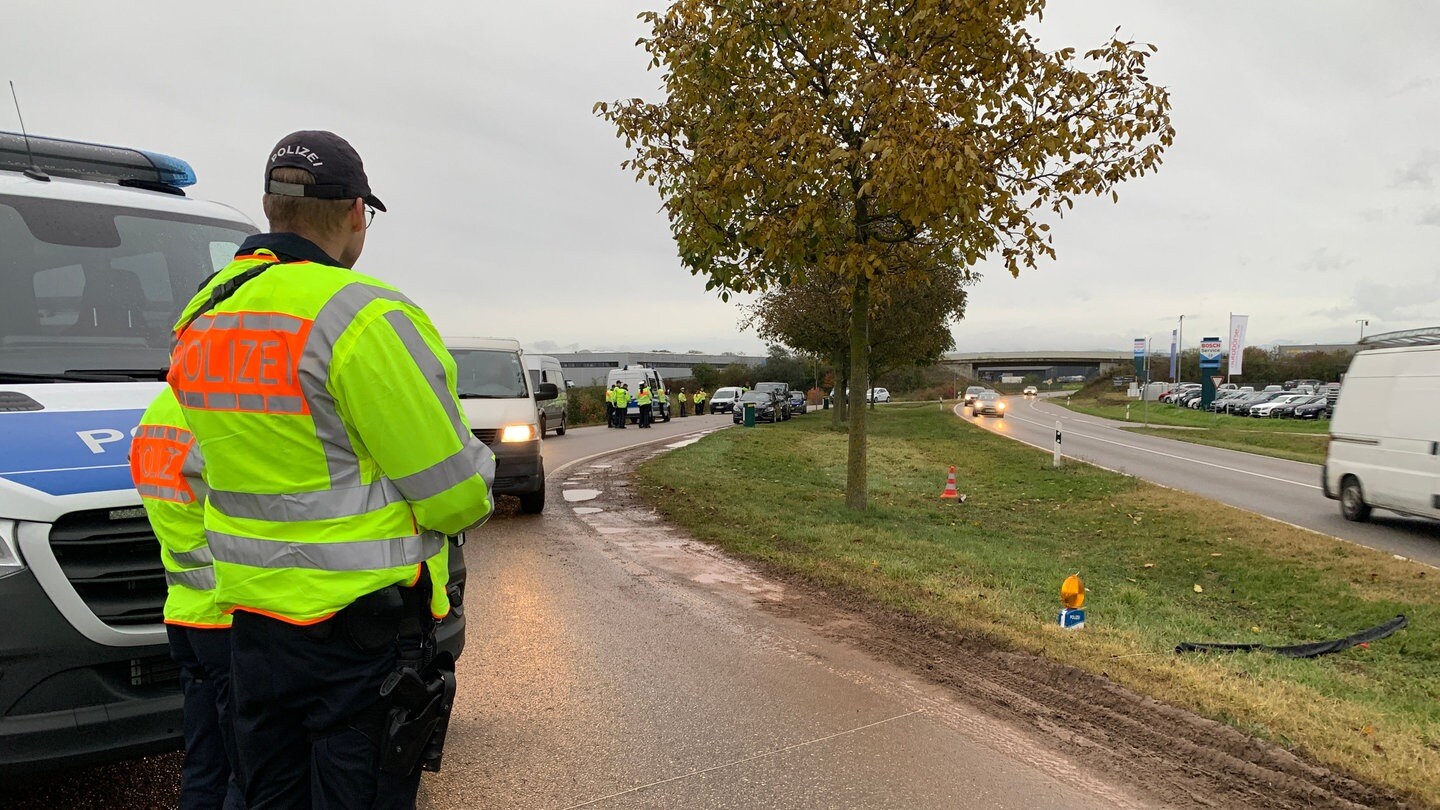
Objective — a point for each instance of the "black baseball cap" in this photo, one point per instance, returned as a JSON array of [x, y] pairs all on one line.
[[339, 172]]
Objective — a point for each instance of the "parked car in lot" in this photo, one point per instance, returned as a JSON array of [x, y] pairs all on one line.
[[1286, 410], [1242, 408], [767, 407], [988, 403], [723, 400], [877, 395], [1317, 409], [974, 391], [1031, 391], [1385, 440], [798, 405], [1265, 409]]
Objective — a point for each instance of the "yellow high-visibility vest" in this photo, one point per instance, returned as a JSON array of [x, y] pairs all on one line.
[[336, 450], [167, 468]]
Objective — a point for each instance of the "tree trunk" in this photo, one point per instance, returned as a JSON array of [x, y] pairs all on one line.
[[856, 493]]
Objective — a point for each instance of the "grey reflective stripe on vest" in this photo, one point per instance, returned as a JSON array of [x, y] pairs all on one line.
[[353, 555], [314, 370], [271, 322], [163, 493], [324, 504], [474, 458], [430, 366], [194, 557], [199, 579], [193, 467]]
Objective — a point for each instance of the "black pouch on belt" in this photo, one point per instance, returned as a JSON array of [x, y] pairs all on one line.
[[372, 622]]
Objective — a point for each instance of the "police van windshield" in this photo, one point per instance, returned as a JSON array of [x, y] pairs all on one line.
[[96, 288], [489, 374]]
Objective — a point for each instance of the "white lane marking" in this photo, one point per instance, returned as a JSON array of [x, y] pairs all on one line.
[[742, 761], [1184, 458]]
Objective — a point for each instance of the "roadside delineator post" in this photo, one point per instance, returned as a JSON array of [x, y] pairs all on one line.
[[950, 493], [1072, 599], [1058, 440]]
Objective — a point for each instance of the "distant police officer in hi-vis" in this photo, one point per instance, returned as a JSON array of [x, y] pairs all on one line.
[[167, 468], [338, 460]]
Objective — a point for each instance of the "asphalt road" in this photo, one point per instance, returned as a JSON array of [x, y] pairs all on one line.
[[610, 666], [1289, 491]]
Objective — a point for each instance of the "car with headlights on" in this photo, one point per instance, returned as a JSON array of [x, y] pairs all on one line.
[[1031, 391], [798, 404], [767, 407], [972, 392], [988, 403]]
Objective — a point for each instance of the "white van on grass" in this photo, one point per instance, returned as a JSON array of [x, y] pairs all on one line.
[[500, 405], [1385, 436]]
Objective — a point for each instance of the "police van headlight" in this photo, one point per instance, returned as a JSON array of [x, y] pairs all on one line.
[[10, 562], [518, 433]]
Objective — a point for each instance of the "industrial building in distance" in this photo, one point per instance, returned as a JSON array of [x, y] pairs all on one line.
[[590, 368]]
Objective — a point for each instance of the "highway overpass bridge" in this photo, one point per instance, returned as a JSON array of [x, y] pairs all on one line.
[[976, 364]]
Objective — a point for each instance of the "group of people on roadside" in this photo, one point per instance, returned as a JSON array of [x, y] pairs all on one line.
[[618, 400]]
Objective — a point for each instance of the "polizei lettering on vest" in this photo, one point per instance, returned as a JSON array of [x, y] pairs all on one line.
[[229, 367]]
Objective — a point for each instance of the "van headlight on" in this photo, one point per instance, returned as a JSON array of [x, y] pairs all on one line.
[[518, 433], [10, 562]]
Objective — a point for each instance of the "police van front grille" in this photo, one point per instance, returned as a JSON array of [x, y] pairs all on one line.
[[113, 562], [486, 436]]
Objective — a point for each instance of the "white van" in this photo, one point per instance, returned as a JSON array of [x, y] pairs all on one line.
[[500, 405], [632, 376], [553, 414], [1385, 436]]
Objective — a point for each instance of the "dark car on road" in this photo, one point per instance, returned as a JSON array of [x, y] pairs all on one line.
[[767, 407], [798, 405], [988, 403], [782, 393]]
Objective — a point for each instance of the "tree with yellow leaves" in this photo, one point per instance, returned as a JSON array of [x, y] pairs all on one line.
[[799, 137]]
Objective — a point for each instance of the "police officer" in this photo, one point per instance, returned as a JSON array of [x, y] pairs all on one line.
[[167, 468], [700, 402], [327, 524], [645, 401], [684, 402], [610, 406], [622, 405]]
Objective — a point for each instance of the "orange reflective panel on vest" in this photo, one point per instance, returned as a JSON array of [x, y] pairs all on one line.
[[157, 460], [241, 361]]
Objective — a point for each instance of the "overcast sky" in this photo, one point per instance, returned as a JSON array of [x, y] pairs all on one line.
[[1303, 189]]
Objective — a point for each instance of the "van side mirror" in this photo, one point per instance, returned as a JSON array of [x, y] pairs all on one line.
[[544, 392]]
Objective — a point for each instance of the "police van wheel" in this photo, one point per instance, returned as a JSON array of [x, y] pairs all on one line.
[[532, 503], [564, 421]]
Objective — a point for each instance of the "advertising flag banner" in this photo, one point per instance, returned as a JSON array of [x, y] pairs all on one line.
[[1139, 357], [1174, 358], [1237, 342]]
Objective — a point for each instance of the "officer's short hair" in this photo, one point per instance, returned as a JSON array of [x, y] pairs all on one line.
[[303, 213]]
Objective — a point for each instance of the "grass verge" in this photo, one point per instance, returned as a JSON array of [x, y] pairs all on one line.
[[1162, 567], [1306, 447]]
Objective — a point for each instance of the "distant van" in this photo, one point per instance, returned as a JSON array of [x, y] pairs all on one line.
[[554, 414], [1385, 436], [632, 376], [500, 405]]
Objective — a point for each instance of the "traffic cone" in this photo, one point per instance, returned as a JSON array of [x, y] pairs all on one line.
[[950, 493]]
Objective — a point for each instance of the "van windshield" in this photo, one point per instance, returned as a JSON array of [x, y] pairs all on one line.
[[489, 374], [96, 288]]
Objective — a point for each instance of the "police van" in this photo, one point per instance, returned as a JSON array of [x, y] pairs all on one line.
[[99, 249]]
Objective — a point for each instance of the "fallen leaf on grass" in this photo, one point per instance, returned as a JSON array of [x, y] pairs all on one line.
[[1254, 629], [1149, 565], [1215, 554], [1199, 589]]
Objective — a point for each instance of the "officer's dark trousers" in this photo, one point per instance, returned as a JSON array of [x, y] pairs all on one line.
[[645, 415], [610, 414], [621, 414], [207, 778], [297, 691], [683, 408]]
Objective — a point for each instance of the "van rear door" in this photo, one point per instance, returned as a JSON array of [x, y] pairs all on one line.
[[1410, 432]]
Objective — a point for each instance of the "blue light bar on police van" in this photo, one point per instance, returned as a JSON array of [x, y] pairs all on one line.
[[92, 161]]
